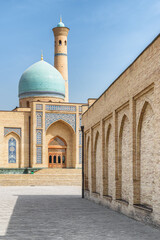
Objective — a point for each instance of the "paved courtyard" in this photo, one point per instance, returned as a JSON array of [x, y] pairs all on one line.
[[59, 213]]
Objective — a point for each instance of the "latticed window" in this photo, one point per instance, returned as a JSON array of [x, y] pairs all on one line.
[[12, 150]]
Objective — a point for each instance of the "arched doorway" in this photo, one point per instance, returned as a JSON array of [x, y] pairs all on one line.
[[57, 148]]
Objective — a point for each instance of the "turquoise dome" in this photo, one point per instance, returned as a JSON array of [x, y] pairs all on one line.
[[60, 24], [41, 80]]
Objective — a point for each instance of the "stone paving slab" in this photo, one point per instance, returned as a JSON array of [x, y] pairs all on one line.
[[59, 213]]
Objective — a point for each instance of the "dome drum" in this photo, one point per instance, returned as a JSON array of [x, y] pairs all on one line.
[[42, 94]]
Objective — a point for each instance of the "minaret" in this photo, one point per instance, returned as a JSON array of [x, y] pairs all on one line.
[[60, 53]]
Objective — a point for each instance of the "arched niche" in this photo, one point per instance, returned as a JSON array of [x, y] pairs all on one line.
[[144, 157], [64, 131], [57, 152], [7, 150]]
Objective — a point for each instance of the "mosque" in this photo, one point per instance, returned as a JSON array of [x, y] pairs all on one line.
[[119, 133], [45, 130]]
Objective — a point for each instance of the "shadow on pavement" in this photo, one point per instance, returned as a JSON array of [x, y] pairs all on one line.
[[43, 217]]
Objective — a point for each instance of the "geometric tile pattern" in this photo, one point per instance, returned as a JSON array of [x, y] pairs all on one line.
[[61, 108], [10, 129], [39, 106], [80, 108], [80, 137], [12, 150], [80, 120], [53, 117], [80, 155], [39, 119], [39, 136], [39, 155]]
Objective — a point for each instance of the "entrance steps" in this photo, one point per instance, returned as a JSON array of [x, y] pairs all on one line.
[[44, 177], [59, 171]]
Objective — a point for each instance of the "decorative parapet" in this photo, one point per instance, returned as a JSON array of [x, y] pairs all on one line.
[[61, 108]]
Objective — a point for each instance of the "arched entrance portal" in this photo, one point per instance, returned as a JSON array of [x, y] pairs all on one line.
[[57, 148]]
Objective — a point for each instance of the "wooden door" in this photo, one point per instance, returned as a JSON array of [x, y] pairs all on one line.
[[57, 160]]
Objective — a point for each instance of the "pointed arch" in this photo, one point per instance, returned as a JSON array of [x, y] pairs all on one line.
[[65, 132], [12, 149], [57, 148], [123, 159], [13, 133], [60, 141], [60, 120], [142, 168], [106, 162], [95, 185], [87, 162]]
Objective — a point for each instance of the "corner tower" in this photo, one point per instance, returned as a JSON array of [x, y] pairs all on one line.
[[60, 53]]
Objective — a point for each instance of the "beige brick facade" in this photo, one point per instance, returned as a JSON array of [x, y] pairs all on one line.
[[122, 141], [56, 119]]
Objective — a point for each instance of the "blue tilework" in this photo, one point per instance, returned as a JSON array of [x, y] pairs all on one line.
[[53, 117], [80, 155], [39, 118], [80, 108], [80, 120], [61, 108], [10, 129], [80, 137], [60, 54], [39, 155], [39, 106], [39, 136], [12, 150]]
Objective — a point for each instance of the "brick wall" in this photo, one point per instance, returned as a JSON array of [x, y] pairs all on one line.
[[127, 118]]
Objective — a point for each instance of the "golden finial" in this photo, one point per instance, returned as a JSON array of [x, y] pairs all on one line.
[[60, 18], [41, 55]]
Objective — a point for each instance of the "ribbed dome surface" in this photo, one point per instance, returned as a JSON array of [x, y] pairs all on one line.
[[41, 79]]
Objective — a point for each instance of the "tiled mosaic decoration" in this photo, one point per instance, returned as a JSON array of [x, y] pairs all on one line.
[[80, 155], [60, 54], [39, 119], [39, 136], [39, 106], [61, 108], [39, 155], [12, 150], [80, 137], [53, 117], [80, 120], [9, 130]]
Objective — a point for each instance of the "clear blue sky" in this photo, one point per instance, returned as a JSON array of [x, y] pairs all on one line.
[[105, 37]]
